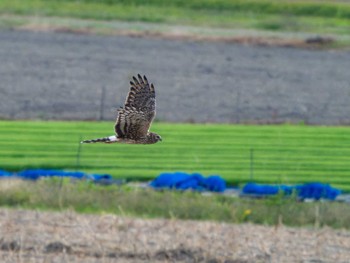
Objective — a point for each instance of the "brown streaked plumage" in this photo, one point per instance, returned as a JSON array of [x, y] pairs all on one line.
[[135, 118]]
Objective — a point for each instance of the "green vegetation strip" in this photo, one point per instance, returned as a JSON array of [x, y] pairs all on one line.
[[239, 153], [286, 15], [128, 201], [339, 9]]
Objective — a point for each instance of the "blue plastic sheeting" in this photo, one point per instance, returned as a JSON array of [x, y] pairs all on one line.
[[318, 191], [258, 189], [38, 173], [5, 173], [306, 191], [34, 174], [184, 181]]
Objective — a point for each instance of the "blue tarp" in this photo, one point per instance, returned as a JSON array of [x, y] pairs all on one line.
[[38, 173], [184, 181], [34, 174], [305, 191], [4, 173], [196, 181], [259, 189], [318, 191]]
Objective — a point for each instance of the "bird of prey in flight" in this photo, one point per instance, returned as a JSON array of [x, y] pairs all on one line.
[[135, 118]]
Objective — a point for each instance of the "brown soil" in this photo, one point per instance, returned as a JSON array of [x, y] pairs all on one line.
[[32, 236], [65, 76]]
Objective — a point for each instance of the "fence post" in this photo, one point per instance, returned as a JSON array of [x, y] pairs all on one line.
[[251, 164], [102, 102], [77, 162]]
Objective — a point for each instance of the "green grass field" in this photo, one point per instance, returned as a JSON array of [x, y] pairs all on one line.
[[281, 154], [277, 15]]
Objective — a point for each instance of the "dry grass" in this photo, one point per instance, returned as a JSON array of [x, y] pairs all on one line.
[[187, 34], [123, 200], [31, 236], [9, 185], [66, 236]]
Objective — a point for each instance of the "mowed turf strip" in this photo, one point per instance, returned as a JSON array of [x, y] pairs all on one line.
[[285, 154]]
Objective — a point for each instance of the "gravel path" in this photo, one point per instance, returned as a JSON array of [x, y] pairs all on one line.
[[30, 236], [62, 76]]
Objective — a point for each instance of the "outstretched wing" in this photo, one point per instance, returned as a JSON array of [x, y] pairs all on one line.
[[135, 118]]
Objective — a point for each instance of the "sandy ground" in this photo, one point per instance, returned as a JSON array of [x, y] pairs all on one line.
[[47, 75], [31, 236]]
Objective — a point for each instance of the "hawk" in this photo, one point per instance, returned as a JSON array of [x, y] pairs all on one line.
[[135, 118]]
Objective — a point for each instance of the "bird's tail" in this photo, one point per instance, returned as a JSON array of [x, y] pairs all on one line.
[[109, 139]]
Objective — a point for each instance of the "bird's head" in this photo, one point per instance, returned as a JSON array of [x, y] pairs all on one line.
[[154, 137]]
